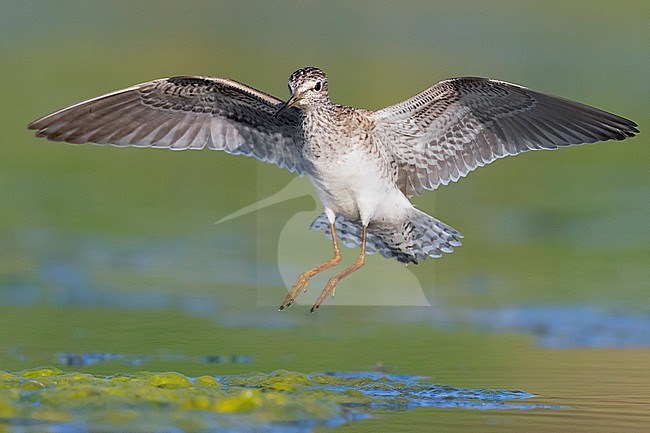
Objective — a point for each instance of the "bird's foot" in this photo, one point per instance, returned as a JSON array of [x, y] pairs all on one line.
[[303, 279], [329, 288], [301, 284]]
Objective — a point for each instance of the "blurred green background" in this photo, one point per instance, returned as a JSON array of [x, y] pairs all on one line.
[[116, 249]]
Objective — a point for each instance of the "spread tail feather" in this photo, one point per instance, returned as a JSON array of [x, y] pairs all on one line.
[[416, 239]]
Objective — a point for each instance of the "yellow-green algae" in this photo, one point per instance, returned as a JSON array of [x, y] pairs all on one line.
[[156, 401]]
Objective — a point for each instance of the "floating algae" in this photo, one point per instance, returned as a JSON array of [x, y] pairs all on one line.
[[47, 399]]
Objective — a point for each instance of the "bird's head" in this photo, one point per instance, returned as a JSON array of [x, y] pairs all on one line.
[[308, 87]]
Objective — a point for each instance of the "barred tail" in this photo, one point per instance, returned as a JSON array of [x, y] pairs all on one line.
[[416, 239]]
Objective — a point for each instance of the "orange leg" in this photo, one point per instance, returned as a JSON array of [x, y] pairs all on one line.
[[331, 284], [303, 279]]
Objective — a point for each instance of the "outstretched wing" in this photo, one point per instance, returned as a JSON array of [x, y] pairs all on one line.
[[450, 129], [183, 113]]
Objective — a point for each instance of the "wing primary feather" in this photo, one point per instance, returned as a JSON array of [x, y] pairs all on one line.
[[190, 112]]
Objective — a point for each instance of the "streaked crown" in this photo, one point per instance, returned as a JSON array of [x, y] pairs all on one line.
[[309, 84]]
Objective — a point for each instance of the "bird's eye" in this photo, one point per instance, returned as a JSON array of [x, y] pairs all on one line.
[[317, 87]]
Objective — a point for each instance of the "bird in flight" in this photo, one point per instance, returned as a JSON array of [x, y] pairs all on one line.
[[364, 165]]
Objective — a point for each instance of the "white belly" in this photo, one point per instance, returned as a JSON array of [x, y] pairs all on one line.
[[358, 189]]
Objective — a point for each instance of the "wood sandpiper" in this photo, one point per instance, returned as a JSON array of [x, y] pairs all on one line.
[[364, 165]]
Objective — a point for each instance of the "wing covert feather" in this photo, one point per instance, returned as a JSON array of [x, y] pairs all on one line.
[[457, 125]]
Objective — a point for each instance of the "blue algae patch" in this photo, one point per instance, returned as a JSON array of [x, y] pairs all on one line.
[[568, 326], [82, 359], [552, 326], [49, 400]]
